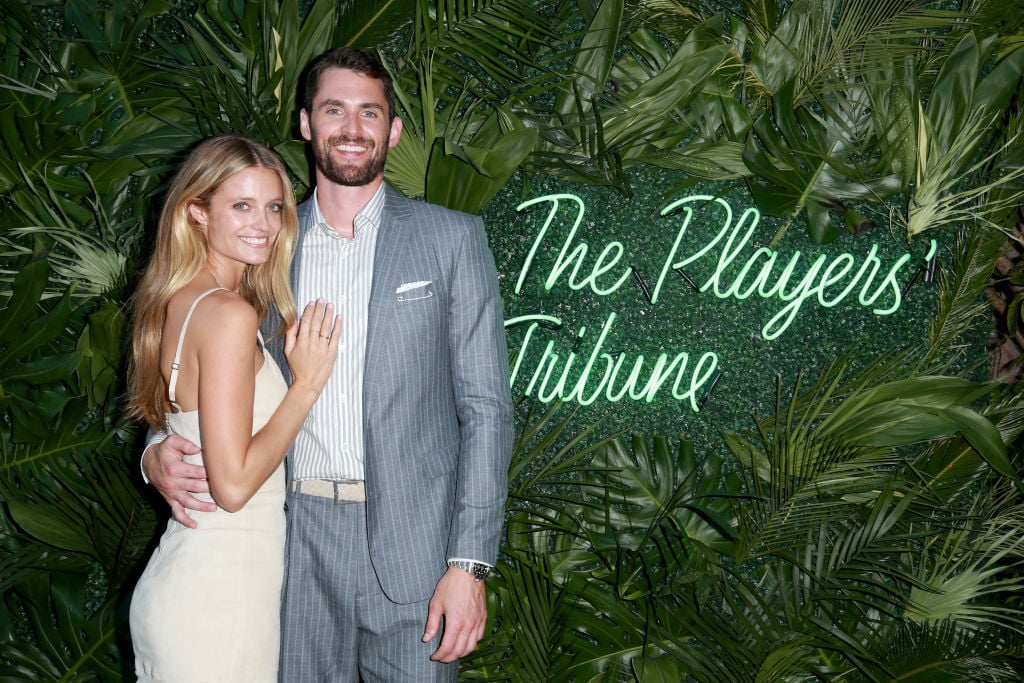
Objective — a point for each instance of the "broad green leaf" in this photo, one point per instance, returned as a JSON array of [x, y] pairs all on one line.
[[646, 106], [43, 371], [656, 668], [34, 409], [51, 527], [805, 161], [952, 96], [101, 350], [69, 641], [594, 59], [999, 85], [43, 330], [776, 62], [27, 288], [467, 178], [369, 25], [985, 438], [922, 392]]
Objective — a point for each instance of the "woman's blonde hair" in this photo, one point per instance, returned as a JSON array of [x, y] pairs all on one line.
[[181, 253]]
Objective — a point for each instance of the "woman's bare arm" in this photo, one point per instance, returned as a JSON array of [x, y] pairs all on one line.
[[237, 462]]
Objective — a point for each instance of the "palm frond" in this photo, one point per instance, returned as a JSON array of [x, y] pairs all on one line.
[[969, 267], [945, 195], [241, 69], [64, 471], [372, 25], [523, 592], [919, 653], [548, 459], [485, 38], [966, 574], [829, 46]]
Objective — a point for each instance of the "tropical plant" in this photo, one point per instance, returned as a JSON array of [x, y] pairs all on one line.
[[848, 110], [867, 529], [242, 64], [75, 525], [963, 103], [491, 88], [823, 549], [85, 132]]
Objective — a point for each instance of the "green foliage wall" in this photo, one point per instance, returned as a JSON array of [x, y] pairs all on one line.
[[867, 527]]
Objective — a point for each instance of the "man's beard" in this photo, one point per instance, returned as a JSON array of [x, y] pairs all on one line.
[[351, 176]]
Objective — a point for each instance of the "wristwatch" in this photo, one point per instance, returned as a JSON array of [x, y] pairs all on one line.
[[479, 570]]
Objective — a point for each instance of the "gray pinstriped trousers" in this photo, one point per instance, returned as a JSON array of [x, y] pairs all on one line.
[[337, 624]]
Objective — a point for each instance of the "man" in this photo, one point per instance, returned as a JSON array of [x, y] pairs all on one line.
[[398, 478]]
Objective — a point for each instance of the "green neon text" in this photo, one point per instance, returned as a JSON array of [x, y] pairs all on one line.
[[828, 282], [587, 376], [612, 251]]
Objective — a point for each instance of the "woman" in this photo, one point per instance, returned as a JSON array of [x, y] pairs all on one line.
[[207, 605]]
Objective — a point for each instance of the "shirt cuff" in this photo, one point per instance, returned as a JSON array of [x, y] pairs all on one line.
[[469, 559], [152, 439]]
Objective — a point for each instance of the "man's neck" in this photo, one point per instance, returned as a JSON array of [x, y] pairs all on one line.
[[340, 203]]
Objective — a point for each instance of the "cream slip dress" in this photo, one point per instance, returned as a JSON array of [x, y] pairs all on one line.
[[208, 605]]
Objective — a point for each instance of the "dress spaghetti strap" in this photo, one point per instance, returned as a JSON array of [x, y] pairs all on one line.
[[173, 381]]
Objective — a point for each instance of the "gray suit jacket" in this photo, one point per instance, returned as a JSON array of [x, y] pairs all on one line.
[[438, 422]]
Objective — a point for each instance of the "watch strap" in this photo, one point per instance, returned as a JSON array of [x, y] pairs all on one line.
[[479, 570]]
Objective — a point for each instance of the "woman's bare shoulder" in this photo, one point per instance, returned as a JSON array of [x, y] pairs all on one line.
[[222, 314], [227, 313]]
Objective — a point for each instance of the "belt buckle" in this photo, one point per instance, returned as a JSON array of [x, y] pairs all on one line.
[[349, 492]]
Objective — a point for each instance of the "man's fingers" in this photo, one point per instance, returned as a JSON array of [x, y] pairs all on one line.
[[433, 622], [463, 603], [443, 651], [183, 470], [180, 443], [183, 502], [454, 645], [187, 501], [465, 643], [459, 639], [479, 635], [178, 512]]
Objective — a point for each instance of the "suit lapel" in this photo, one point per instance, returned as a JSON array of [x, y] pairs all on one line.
[[387, 267]]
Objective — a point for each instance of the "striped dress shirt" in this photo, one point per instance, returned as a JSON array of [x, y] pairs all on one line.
[[340, 271]]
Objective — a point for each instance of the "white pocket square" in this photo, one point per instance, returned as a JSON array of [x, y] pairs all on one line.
[[411, 285]]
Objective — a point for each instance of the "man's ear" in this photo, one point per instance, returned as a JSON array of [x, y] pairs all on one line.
[[396, 131], [304, 125]]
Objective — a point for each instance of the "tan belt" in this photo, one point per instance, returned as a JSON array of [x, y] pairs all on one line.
[[338, 491]]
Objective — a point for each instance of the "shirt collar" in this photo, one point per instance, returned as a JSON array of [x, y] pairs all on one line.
[[368, 217]]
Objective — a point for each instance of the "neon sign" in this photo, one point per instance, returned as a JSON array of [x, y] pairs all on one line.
[[584, 375], [610, 382]]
